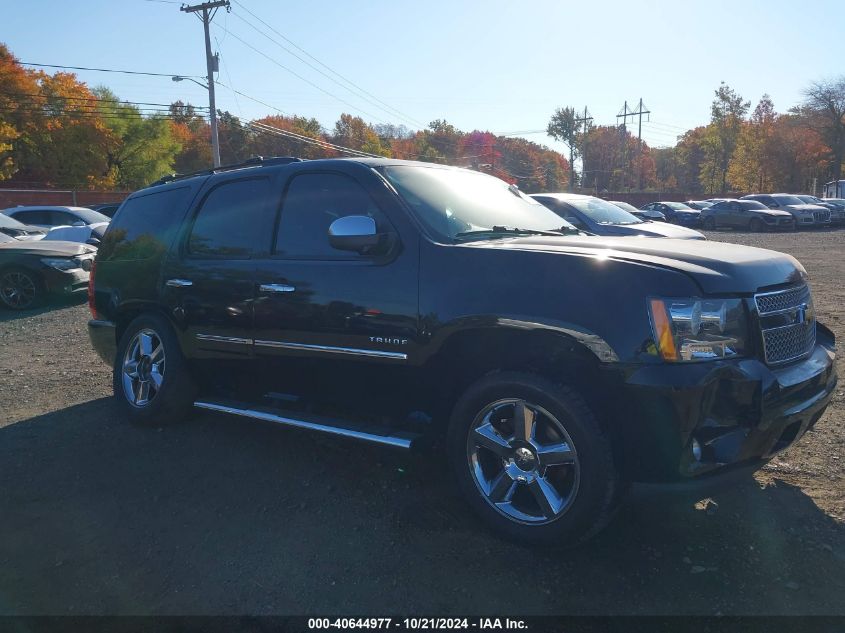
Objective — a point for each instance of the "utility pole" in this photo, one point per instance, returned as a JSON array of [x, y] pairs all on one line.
[[624, 112], [639, 112], [585, 120], [209, 9]]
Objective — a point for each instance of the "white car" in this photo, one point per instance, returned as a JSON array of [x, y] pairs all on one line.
[[47, 217], [89, 234]]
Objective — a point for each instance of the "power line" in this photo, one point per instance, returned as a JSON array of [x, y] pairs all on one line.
[[300, 77], [118, 102], [108, 70], [328, 68], [356, 91]]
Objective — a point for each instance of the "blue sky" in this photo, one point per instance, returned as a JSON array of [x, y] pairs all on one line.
[[492, 65]]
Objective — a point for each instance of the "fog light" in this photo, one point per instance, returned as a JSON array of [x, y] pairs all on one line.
[[696, 450]]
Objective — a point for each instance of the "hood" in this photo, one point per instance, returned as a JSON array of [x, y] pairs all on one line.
[[775, 213], [653, 229], [804, 207], [717, 267], [47, 248]]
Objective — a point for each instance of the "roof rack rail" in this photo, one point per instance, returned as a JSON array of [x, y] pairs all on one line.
[[249, 162]]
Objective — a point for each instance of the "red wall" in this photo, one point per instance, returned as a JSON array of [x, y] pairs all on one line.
[[55, 197]]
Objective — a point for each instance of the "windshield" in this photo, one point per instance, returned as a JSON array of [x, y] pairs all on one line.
[[601, 211], [809, 199], [788, 200], [10, 223], [630, 208], [455, 202], [753, 204], [678, 206]]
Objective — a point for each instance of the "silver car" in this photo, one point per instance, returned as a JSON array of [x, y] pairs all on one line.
[[803, 213]]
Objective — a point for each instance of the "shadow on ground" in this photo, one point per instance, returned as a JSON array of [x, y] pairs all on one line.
[[54, 303], [220, 515]]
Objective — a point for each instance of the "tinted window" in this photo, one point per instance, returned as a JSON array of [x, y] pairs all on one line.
[[788, 200], [752, 204], [312, 203], [601, 211], [719, 206], [233, 220], [678, 206], [61, 218], [145, 226], [89, 215], [33, 217]]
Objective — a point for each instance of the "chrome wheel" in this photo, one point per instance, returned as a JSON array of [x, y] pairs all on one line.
[[17, 290], [523, 461], [143, 368]]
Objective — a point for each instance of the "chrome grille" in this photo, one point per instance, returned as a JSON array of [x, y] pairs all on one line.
[[822, 216], [787, 323]]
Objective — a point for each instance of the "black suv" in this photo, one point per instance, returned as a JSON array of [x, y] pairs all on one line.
[[409, 304]]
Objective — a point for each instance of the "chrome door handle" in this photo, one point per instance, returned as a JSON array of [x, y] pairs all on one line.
[[276, 288], [179, 283]]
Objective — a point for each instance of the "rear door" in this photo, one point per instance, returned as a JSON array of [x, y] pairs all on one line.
[[209, 277]]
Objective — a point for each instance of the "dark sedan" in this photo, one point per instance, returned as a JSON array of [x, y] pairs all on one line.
[[600, 217], [675, 212], [745, 214], [30, 271]]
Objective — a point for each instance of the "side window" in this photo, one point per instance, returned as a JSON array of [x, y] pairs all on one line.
[[33, 217], [312, 203], [146, 225], [735, 206], [233, 221]]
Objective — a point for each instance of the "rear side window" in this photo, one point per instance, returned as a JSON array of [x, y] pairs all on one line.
[[33, 217], [234, 221], [145, 226], [312, 203]]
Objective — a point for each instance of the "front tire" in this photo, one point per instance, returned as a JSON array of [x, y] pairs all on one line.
[[532, 460], [151, 379], [20, 289]]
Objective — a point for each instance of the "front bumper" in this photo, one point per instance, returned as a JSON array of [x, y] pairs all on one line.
[[103, 335], [739, 414], [65, 282], [688, 219]]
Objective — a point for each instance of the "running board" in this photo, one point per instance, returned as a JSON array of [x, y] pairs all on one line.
[[366, 433]]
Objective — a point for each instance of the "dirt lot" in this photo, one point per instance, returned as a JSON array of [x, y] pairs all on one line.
[[219, 515]]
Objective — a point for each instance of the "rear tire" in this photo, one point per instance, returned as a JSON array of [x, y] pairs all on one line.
[[532, 460], [151, 379], [21, 289]]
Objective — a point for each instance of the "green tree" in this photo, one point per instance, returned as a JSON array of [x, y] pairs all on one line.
[[564, 127], [726, 115], [145, 149]]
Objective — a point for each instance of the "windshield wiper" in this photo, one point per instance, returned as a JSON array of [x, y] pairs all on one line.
[[504, 230]]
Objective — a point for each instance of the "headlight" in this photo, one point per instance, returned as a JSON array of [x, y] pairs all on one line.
[[60, 263], [699, 329]]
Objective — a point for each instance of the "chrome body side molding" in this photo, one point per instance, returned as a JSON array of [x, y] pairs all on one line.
[[224, 339], [329, 349]]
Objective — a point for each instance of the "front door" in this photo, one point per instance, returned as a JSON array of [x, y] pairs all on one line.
[[319, 309]]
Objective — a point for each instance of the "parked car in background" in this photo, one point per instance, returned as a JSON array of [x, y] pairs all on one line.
[[642, 214], [675, 212], [745, 214], [699, 205], [106, 208], [837, 209], [90, 234], [48, 217], [31, 271], [18, 230], [805, 214], [600, 217]]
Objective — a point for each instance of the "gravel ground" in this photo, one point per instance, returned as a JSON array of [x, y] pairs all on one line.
[[222, 516]]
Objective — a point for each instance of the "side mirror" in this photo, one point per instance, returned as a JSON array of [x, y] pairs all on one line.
[[356, 233]]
